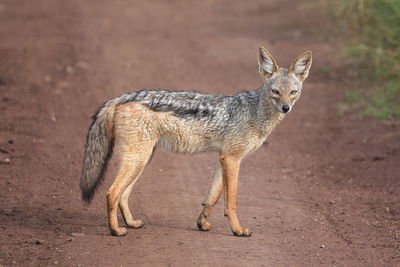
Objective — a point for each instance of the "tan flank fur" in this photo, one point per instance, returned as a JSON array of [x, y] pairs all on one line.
[[188, 122]]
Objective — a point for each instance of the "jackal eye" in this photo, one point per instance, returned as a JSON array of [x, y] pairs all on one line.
[[293, 92], [275, 91]]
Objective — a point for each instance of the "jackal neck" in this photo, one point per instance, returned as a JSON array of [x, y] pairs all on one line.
[[268, 115]]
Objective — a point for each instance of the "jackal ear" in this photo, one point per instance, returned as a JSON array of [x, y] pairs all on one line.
[[301, 65], [267, 64]]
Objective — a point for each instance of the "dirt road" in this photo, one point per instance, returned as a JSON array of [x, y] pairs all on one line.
[[324, 190]]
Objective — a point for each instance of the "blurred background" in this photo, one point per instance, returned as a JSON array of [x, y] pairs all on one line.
[[373, 27], [324, 189]]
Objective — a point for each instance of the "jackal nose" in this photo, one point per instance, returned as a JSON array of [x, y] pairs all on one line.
[[285, 108]]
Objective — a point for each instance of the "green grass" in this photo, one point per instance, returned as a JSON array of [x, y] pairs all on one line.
[[373, 103], [375, 49]]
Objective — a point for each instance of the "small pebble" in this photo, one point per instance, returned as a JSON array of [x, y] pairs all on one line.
[[77, 234], [69, 69]]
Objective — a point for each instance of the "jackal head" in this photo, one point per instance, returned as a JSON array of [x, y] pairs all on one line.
[[283, 86]]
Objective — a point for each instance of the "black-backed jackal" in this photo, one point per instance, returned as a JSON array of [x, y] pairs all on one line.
[[188, 122]]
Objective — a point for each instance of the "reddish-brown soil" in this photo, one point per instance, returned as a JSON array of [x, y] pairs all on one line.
[[324, 190]]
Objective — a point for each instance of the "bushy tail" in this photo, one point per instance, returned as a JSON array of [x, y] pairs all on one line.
[[98, 151]]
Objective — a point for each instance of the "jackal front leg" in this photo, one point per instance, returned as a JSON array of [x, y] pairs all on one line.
[[230, 171], [213, 196]]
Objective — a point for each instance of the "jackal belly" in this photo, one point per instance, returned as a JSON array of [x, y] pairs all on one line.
[[183, 142]]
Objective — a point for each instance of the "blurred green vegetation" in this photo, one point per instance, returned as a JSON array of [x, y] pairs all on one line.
[[375, 49]]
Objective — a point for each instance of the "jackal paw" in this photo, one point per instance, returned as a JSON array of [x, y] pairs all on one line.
[[119, 231], [135, 224], [203, 224], [243, 232]]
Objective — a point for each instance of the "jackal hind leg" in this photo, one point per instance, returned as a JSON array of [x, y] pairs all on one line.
[[132, 164], [230, 170], [124, 208], [213, 196]]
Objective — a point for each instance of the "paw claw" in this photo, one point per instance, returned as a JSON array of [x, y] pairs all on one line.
[[136, 224], [203, 225], [120, 231], [244, 232]]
